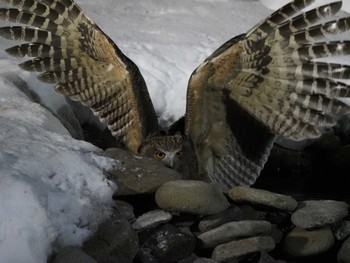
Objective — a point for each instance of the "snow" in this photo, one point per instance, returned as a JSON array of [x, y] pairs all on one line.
[[52, 189]]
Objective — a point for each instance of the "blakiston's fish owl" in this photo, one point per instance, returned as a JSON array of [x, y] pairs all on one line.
[[256, 86]]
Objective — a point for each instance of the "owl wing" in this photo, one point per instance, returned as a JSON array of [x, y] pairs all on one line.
[[265, 83], [73, 52]]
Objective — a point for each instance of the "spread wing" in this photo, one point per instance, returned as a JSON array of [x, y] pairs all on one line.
[[73, 52], [265, 83]]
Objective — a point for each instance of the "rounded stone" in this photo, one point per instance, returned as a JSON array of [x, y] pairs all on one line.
[[344, 252], [319, 213], [302, 243], [189, 196], [73, 255], [245, 194]]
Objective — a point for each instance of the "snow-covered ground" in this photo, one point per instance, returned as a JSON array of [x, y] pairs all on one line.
[[52, 189]]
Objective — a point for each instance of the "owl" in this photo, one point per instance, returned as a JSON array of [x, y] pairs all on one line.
[[265, 83]]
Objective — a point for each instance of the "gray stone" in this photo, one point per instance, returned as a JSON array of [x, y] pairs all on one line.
[[124, 209], [237, 249], [115, 241], [73, 255], [344, 252], [342, 230], [266, 258], [264, 198], [168, 244], [151, 219], [234, 213], [195, 259], [276, 234], [232, 231], [302, 243], [189, 196], [138, 174], [319, 213]]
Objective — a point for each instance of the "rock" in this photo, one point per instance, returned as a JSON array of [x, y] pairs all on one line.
[[189, 196], [151, 219], [232, 231], [266, 258], [115, 241], [195, 259], [69, 120], [166, 245], [342, 230], [276, 234], [237, 249], [234, 213], [138, 174], [73, 255], [301, 242], [344, 252], [319, 213], [262, 198], [124, 209]]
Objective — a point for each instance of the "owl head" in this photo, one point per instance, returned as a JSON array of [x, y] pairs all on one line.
[[173, 151]]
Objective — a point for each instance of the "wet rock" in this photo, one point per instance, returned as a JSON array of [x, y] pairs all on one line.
[[342, 230], [151, 219], [168, 244], [232, 231], [138, 174], [237, 249], [344, 252], [301, 242], [189, 196], [73, 255], [234, 213], [319, 213], [262, 198], [124, 209], [115, 241]]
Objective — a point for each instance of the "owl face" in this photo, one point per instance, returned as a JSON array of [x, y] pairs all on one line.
[[170, 150]]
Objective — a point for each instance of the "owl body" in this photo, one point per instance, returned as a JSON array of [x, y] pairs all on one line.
[[268, 82]]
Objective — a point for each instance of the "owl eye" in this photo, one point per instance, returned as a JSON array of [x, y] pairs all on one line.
[[179, 154], [159, 155]]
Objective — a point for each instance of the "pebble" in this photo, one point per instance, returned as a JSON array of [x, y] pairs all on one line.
[[237, 249], [234, 213], [319, 213], [262, 198], [342, 230], [138, 174], [344, 252], [73, 255], [232, 231], [114, 241], [302, 243], [195, 197], [166, 245], [151, 219]]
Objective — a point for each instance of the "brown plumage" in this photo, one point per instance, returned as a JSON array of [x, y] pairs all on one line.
[[254, 87]]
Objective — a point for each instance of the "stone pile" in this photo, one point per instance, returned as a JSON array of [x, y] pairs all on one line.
[[193, 221]]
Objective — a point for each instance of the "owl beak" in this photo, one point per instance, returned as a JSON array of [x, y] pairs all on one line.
[[169, 164]]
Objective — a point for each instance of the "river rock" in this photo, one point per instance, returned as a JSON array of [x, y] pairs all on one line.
[[265, 198], [189, 196], [342, 230], [124, 209], [151, 219], [166, 245], [237, 249], [73, 255], [232, 231], [344, 252], [319, 213], [234, 213], [138, 174], [302, 243], [115, 241]]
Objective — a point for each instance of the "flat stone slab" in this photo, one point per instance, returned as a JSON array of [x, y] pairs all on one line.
[[232, 231], [245, 194], [319, 213], [195, 197], [151, 219], [237, 249]]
